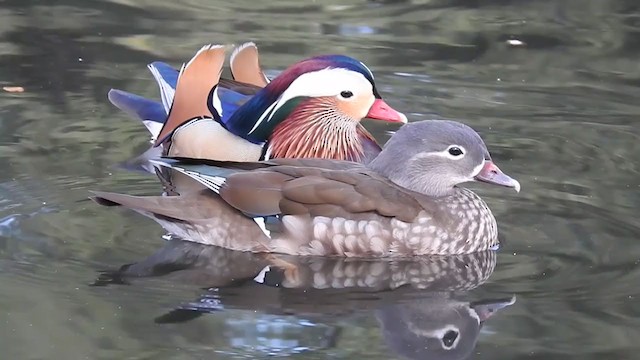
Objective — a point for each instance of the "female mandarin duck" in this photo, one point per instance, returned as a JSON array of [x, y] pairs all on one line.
[[406, 201], [312, 109]]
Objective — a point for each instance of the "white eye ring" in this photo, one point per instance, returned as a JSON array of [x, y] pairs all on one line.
[[455, 152]]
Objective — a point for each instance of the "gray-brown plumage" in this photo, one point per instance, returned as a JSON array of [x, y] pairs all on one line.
[[406, 202], [198, 216]]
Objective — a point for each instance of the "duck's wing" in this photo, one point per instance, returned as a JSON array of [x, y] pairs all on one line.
[[289, 187]]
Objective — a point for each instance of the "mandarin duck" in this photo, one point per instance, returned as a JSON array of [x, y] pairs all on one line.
[[407, 201], [312, 109]]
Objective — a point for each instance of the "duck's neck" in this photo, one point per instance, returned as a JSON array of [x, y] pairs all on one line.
[[316, 130], [242, 122]]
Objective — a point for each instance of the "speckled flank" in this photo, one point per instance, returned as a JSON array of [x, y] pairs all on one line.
[[468, 227], [476, 228], [226, 229]]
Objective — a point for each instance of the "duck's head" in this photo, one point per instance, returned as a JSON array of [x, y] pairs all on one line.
[[313, 109], [434, 156]]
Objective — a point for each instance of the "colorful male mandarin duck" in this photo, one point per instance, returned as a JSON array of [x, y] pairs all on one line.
[[406, 201], [312, 109]]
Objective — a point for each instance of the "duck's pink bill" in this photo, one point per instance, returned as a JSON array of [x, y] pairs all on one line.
[[380, 110], [492, 174]]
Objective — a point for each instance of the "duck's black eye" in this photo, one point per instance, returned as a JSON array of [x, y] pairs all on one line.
[[449, 338], [455, 151], [346, 94]]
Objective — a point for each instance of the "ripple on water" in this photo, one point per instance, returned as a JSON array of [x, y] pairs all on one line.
[[559, 113]]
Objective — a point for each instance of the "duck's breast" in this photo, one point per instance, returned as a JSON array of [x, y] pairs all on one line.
[[469, 227], [207, 139]]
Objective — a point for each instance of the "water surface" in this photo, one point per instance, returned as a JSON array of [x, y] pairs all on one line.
[[559, 112]]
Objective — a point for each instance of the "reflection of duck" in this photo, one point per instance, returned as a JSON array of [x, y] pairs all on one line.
[[190, 263], [412, 299], [212, 266], [434, 328]]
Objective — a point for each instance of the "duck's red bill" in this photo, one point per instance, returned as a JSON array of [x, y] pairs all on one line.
[[492, 174], [380, 110]]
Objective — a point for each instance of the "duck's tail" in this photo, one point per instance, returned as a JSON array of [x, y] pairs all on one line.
[[247, 79], [200, 217], [150, 112]]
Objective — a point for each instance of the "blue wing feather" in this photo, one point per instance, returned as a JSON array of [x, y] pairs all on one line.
[[231, 101], [138, 106], [166, 76], [167, 72]]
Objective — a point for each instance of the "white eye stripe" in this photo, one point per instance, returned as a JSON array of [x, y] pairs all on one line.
[[456, 148], [449, 156], [446, 154], [325, 82]]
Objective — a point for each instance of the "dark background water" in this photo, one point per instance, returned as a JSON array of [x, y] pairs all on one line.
[[559, 113]]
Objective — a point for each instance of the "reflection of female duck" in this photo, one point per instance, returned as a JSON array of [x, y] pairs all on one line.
[[435, 327], [411, 299]]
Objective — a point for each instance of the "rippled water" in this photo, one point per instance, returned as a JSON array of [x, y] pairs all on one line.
[[558, 112]]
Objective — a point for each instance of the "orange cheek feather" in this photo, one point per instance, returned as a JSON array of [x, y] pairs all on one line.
[[356, 109]]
